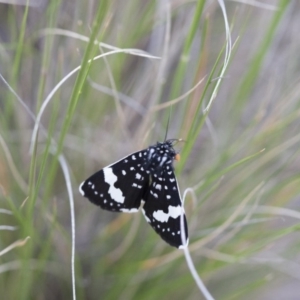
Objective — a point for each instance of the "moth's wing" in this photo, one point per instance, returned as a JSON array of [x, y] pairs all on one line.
[[163, 208], [120, 186]]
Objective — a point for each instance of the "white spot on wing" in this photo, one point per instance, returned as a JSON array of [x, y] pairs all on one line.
[[154, 194], [173, 212], [123, 172], [158, 187], [110, 178], [133, 157], [138, 176], [80, 188]]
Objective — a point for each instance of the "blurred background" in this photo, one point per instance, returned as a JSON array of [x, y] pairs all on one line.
[[240, 158]]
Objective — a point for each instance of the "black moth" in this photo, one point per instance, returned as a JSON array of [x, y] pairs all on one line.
[[143, 179]]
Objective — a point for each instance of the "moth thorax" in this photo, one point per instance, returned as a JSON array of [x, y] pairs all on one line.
[[159, 161]]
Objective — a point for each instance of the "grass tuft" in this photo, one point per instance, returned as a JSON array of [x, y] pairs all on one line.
[[86, 83]]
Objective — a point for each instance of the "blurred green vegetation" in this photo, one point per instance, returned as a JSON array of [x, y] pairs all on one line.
[[241, 158]]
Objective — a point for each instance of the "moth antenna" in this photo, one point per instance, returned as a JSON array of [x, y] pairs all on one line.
[[167, 129], [174, 141]]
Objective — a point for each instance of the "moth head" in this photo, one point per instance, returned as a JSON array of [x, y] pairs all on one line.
[[171, 143]]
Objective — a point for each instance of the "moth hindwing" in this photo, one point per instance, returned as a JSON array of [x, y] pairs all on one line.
[[145, 177]]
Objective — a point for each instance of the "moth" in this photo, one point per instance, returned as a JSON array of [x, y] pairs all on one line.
[[143, 180]]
